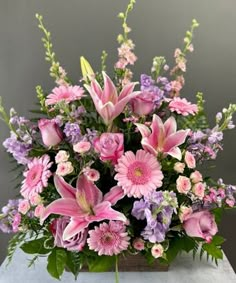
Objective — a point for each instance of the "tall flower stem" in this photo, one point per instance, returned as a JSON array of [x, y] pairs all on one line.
[[117, 270]]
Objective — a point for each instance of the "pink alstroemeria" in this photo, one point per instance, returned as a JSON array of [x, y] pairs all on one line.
[[162, 138], [84, 205], [107, 102]]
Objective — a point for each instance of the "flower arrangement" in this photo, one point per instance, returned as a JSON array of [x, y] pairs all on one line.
[[108, 170]]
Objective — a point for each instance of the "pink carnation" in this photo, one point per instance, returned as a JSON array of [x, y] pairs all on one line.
[[64, 93], [138, 244], [138, 175], [36, 177], [109, 239], [182, 106]]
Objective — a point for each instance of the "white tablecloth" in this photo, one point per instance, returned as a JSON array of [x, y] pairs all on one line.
[[183, 270]]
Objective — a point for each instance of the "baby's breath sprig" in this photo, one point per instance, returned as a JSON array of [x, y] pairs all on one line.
[[56, 71]]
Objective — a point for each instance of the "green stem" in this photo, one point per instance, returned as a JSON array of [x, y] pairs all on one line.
[[117, 270]]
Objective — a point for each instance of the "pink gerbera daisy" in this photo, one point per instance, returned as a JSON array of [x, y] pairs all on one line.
[[36, 177], [109, 239], [182, 106], [64, 93], [139, 174]]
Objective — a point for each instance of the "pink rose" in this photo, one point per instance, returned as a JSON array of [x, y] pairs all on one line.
[[92, 174], [110, 146], [82, 146], [24, 206], [199, 190], [76, 243], [183, 184], [39, 210], [50, 132], [143, 104], [201, 224], [196, 177], [179, 167], [190, 160], [157, 250], [184, 212]]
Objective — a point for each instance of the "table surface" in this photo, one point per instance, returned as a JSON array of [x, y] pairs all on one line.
[[183, 270]]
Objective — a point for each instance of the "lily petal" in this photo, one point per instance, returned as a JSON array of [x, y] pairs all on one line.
[[104, 211], [107, 112], [75, 226], [175, 152], [127, 90], [170, 126], [110, 92], [65, 207], [63, 188], [116, 193], [175, 139], [89, 190], [144, 130]]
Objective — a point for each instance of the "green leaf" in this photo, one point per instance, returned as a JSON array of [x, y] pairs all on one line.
[[56, 262], [101, 263], [217, 240], [218, 212], [213, 250], [35, 247], [74, 263]]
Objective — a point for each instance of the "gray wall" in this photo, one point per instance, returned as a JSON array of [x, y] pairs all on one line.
[[86, 27]]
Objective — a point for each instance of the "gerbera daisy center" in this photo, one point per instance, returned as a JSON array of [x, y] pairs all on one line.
[[138, 172]]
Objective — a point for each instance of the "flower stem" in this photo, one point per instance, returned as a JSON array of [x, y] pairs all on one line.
[[117, 270]]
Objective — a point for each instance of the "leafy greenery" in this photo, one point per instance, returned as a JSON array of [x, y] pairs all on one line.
[[13, 244], [35, 246], [74, 262], [101, 263], [57, 262]]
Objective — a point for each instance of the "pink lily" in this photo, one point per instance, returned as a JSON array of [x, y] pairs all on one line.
[[162, 138], [84, 205], [107, 102]]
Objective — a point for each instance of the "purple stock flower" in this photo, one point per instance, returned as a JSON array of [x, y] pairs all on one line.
[[146, 81], [18, 149], [10, 218], [72, 132], [157, 209]]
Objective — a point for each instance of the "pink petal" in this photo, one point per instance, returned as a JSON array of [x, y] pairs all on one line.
[[104, 211], [75, 226], [148, 147], [156, 138], [192, 228], [126, 90], [91, 192], [175, 152], [119, 107], [116, 193], [144, 130], [107, 112], [96, 88], [63, 188], [110, 92], [95, 97], [175, 139], [170, 126], [65, 207]]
